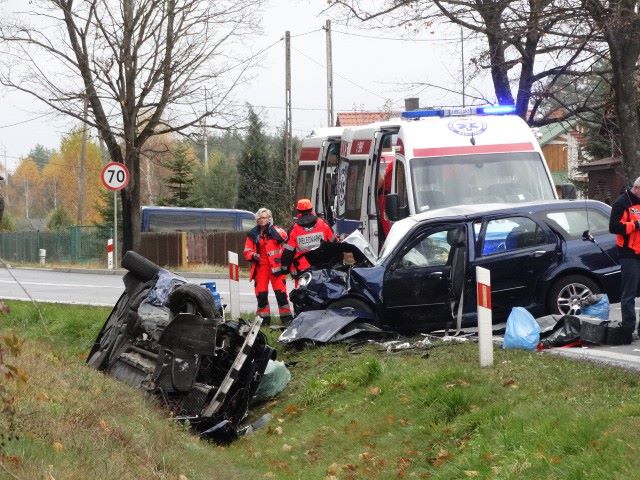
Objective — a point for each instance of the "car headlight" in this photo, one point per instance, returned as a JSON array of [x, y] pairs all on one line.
[[305, 279]]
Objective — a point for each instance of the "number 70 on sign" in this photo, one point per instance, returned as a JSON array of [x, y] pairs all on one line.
[[115, 176]]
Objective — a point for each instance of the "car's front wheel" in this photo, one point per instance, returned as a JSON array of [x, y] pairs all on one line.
[[567, 295]]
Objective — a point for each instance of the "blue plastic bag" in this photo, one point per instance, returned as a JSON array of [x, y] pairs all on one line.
[[522, 330], [598, 309]]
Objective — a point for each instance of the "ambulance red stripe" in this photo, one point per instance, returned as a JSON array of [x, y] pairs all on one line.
[[360, 147], [309, 154], [471, 149]]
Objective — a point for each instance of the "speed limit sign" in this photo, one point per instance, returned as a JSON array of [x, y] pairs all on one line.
[[115, 176]]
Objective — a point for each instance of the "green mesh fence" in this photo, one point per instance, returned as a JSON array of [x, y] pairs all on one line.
[[76, 244]]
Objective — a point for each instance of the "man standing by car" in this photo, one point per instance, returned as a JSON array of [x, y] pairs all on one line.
[[625, 224], [305, 235], [263, 248]]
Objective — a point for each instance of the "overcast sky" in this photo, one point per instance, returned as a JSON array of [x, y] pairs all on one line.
[[370, 67]]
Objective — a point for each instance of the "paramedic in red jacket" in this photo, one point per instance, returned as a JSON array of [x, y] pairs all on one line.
[[305, 235], [263, 249], [624, 222]]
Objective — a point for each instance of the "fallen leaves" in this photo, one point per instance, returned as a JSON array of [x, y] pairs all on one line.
[[57, 447], [291, 410], [104, 426], [373, 391], [442, 457]]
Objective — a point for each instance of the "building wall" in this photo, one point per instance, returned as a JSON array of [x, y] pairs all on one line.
[[556, 156], [605, 185]]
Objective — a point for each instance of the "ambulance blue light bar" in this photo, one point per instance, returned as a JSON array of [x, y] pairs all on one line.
[[459, 111]]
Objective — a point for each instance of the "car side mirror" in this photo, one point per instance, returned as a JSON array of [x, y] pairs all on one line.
[[393, 210], [587, 237]]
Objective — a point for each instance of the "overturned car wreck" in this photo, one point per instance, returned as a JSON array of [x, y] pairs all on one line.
[[169, 338]]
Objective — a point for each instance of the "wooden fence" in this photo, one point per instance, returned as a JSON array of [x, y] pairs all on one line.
[[182, 249]]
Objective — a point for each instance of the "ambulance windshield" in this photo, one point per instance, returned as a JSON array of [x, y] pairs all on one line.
[[482, 178]]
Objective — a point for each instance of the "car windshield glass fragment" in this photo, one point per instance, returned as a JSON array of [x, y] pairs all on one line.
[[484, 178]]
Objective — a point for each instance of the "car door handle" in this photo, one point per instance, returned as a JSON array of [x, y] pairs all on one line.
[[539, 253], [434, 275]]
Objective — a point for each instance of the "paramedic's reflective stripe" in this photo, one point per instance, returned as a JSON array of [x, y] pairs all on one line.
[[273, 252], [471, 149], [289, 247], [309, 241]]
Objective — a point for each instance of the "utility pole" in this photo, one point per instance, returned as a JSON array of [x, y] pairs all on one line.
[[462, 61], [204, 132], [287, 121], [83, 160], [329, 75]]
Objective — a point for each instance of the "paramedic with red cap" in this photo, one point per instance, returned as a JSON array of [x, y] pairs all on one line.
[[263, 248], [305, 235]]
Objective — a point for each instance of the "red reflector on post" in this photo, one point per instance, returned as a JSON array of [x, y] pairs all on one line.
[[484, 295]]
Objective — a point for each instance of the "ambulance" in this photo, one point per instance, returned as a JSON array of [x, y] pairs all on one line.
[[317, 168], [440, 158]]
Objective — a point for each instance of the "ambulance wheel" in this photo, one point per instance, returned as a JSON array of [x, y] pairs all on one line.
[[353, 304], [568, 293]]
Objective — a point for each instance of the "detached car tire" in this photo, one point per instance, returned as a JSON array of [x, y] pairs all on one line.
[[566, 294]]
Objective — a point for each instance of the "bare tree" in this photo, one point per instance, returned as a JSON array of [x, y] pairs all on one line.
[[143, 66], [529, 43], [619, 27]]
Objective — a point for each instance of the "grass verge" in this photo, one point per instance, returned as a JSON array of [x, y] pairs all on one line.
[[344, 415]]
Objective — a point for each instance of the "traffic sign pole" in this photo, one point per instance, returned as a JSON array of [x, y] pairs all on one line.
[[115, 177]]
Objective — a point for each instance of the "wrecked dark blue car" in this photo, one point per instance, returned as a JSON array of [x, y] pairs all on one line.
[[548, 257]]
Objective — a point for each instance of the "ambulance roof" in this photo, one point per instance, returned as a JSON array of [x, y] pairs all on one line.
[[437, 136], [326, 132]]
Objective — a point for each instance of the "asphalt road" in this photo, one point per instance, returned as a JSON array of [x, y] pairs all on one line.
[[86, 288]]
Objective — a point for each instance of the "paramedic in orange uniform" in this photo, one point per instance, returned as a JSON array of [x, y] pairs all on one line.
[[305, 235], [263, 248]]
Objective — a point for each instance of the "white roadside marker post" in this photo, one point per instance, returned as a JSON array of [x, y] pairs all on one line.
[[110, 254], [485, 332], [234, 285]]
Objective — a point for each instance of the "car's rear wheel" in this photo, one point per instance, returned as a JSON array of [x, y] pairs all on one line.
[[353, 304], [567, 295]]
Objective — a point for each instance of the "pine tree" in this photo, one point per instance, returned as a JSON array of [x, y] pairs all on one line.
[[104, 207], [218, 186], [255, 189], [283, 196], [180, 180], [59, 218]]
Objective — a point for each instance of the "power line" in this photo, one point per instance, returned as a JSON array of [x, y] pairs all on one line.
[[398, 39], [339, 75], [25, 121]]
